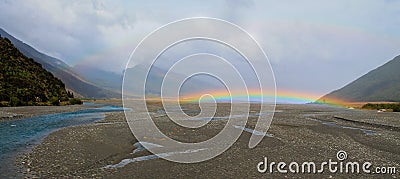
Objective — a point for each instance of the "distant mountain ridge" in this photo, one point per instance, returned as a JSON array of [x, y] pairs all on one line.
[[380, 84], [61, 70]]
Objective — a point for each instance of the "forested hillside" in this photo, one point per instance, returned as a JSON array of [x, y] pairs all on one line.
[[24, 82], [62, 71]]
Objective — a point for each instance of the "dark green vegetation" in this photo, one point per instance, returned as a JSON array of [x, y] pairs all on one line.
[[381, 84], [61, 70], [74, 101], [24, 82], [391, 106]]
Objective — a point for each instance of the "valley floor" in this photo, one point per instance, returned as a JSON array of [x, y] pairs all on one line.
[[298, 133]]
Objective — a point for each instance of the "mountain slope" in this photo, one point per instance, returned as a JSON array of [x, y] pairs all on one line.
[[23, 81], [62, 71], [380, 84], [101, 78]]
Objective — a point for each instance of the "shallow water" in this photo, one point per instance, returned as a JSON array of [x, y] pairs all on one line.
[[365, 131], [20, 135], [127, 161], [255, 132], [333, 124], [233, 116], [141, 146]]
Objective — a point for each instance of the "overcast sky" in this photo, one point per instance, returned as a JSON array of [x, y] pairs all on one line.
[[313, 46]]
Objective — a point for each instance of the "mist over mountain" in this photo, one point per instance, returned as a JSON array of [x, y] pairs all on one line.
[[380, 84], [105, 79], [73, 81], [155, 79]]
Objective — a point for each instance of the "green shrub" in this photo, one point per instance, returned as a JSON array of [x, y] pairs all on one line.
[[54, 101], [3, 103], [14, 101], [74, 101], [63, 99], [394, 106]]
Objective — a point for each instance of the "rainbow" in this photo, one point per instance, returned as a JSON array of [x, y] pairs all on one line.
[[282, 96]]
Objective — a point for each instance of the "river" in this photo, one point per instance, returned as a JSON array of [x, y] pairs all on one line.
[[17, 136]]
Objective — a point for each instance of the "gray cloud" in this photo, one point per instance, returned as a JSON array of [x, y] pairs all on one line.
[[313, 46]]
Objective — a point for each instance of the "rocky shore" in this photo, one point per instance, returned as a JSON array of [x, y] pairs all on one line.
[[12, 113]]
